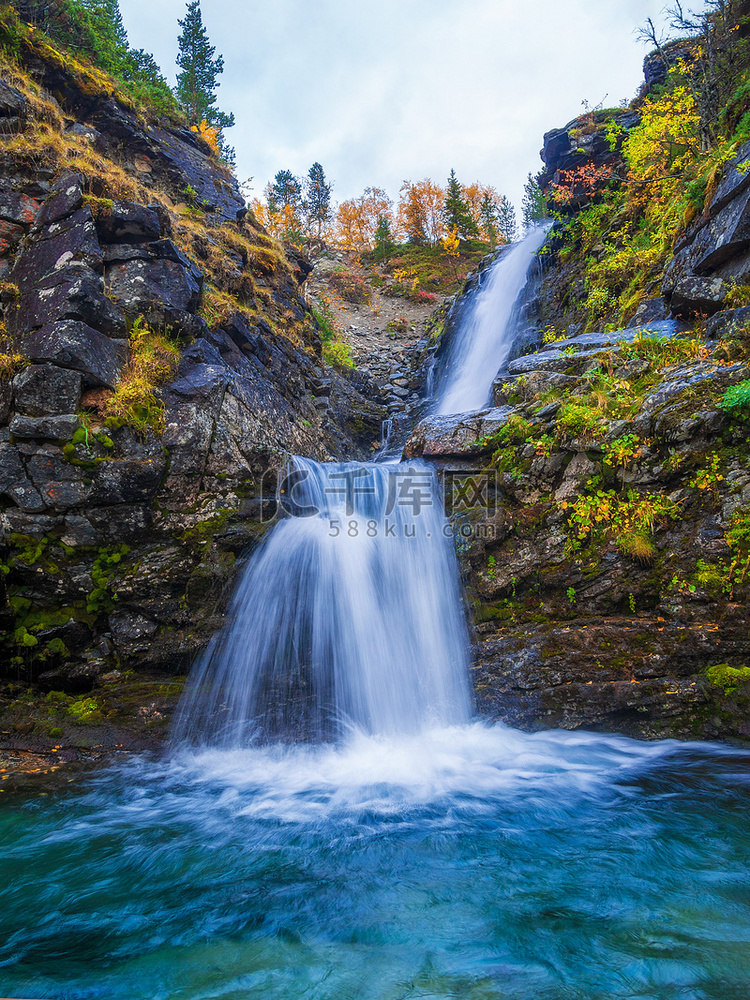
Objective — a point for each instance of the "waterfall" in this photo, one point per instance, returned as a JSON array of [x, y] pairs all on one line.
[[483, 342], [348, 615]]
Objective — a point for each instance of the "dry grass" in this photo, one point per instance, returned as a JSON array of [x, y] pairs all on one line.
[[134, 402]]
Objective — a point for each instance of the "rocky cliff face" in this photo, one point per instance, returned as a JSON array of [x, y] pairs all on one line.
[[607, 559], [120, 538]]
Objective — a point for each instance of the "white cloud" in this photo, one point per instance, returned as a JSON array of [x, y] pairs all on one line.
[[380, 92]]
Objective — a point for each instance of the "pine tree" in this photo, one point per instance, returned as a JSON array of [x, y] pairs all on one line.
[[488, 218], [317, 202], [384, 242], [534, 205], [506, 220], [456, 212], [197, 80], [285, 192]]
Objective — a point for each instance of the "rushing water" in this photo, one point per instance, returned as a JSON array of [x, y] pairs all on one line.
[[483, 342], [468, 861], [403, 851], [348, 615]]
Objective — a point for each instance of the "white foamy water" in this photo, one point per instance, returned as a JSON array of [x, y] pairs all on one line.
[[348, 615], [483, 342]]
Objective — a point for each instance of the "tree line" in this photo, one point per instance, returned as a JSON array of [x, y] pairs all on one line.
[[299, 210], [94, 29]]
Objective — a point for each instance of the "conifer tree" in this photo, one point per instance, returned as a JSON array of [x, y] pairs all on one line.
[[197, 80], [506, 220], [384, 242], [456, 212], [285, 192], [317, 199], [534, 205]]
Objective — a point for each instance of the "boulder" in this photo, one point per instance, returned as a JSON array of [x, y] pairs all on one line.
[[57, 428], [694, 296], [727, 322], [75, 345], [155, 288], [649, 311], [456, 434], [128, 222]]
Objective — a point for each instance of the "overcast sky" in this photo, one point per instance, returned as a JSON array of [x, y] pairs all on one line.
[[379, 92]]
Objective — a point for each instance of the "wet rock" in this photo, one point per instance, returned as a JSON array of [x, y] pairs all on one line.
[[457, 434], [552, 361], [74, 345], [131, 632]]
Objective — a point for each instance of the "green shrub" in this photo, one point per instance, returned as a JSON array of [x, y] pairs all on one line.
[[338, 354], [736, 396]]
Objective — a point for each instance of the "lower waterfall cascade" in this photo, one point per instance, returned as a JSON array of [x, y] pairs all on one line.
[[349, 614]]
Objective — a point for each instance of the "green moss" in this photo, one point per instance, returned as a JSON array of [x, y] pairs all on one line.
[[726, 677], [86, 710]]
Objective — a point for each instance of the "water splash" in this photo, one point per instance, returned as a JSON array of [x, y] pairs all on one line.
[[483, 342], [349, 615]]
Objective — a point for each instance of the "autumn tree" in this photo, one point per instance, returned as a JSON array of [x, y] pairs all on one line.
[[359, 219], [317, 200], [492, 213], [197, 80], [420, 212], [456, 214]]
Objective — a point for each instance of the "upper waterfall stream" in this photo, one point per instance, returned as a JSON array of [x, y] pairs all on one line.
[[484, 340]]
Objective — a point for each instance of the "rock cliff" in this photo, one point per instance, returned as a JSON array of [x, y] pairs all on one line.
[[608, 584], [120, 536]]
